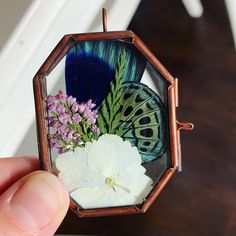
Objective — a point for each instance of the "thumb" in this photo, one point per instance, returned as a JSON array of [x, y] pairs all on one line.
[[35, 205]]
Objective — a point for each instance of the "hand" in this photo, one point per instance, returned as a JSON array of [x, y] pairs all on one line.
[[31, 203]]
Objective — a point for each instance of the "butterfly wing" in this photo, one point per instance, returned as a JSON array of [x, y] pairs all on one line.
[[143, 120]]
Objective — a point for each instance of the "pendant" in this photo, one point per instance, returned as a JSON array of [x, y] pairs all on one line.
[[106, 121]]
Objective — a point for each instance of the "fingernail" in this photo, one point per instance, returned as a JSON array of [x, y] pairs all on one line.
[[37, 202]]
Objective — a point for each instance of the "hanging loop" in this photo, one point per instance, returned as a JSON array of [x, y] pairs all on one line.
[[104, 19]]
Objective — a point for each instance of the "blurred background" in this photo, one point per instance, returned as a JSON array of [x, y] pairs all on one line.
[[196, 44]]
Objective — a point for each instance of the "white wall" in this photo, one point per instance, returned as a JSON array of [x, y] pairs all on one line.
[[10, 12], [42, 25]]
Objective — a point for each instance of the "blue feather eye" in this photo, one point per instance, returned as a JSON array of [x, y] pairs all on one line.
[[91, 65], [87, 77]]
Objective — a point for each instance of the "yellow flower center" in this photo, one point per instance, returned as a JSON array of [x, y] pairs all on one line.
[[110, 181]]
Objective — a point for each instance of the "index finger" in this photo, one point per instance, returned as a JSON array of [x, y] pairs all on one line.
[[12, 169]]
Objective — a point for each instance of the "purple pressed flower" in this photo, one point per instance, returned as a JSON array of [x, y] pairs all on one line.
[[75, 107], [64, 118], [76, 118], [50, 100], [60, 109], [62, 131], [69, 135], [55, 144], [76, 135], [54, 124], [61, 96], [71, 124], [50, 118], [95, 129], [71, 100], [64, 137], [91, 120], [86, 112], [89, 104], [81, 108], [52, 108], [91, 117], [61, 150]]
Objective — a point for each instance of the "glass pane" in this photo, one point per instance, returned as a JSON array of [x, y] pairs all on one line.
[[108, 123]]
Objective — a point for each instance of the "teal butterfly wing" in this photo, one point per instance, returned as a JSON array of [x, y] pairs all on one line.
[[136, 113], [143, 120], [140, 117]]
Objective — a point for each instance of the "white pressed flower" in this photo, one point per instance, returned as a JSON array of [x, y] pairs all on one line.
[[106, 173]]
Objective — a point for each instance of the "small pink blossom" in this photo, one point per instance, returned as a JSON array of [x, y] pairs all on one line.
[[76, 118], [60, 96], [81, 108], [71, 124], [89, 104], [71, 100], [75, 107], [50, 100], [95, 129], [61, 109], [64, 119]]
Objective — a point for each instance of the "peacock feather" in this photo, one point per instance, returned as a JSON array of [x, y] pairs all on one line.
[[91, 65]]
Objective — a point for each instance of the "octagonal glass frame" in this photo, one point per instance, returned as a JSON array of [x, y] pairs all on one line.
[[40, 91]]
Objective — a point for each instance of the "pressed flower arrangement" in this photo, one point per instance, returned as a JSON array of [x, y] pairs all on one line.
[[110, 131]]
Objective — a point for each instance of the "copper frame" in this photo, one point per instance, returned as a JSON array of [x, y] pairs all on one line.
[[39, 84]]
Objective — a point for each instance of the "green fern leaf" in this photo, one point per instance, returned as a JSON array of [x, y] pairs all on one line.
[[111, 105], [100, 123]]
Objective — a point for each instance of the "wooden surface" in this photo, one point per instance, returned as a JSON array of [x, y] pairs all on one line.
[[202, 199]]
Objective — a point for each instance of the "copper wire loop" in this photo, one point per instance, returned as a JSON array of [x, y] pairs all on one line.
[[104, 19]]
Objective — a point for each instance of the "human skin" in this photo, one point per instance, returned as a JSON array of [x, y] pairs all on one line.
[[32, 202]]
